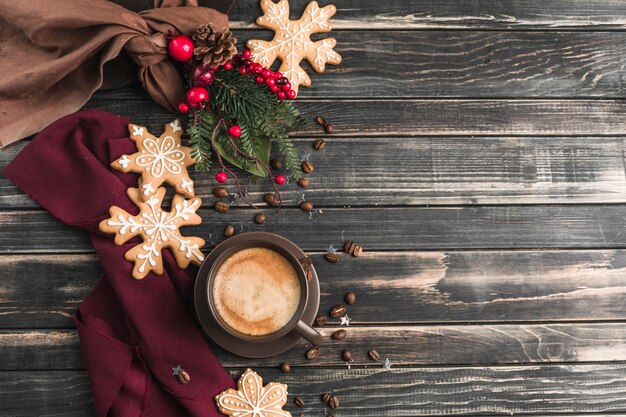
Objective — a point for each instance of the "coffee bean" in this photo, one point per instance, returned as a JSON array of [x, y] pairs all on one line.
[[309, 275], [346, 355], [339, 334], [306, 262], [306, 205], [285, 368], [330, 415], [220, 192], [337, 311], [320, 121], [325, 397], [303, 182], [229, 230], [276, 163], [350, 298], [348, 247], [307, 166], [183, 377], [271, 199], [333, 258], [313, 353], [259, 218], [299, 401], [375, 356], [330, 129], [333, 402], [321, 320], [358, 249], [319, 144], [221, 207]]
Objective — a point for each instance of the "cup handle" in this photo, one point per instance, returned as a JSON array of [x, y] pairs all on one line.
[[309, 333]]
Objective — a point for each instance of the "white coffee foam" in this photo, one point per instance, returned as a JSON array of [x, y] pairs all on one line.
[[256, 291]]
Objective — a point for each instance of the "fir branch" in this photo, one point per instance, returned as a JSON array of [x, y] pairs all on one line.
[[292, 159]]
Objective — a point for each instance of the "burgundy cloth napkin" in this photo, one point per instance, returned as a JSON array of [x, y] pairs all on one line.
[[132, 332]]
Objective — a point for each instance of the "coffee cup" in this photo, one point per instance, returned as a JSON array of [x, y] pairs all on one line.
[[257, 289]]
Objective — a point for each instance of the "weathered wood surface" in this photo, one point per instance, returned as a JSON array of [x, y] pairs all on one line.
[[43, 291], [436, 14], [384, 228], [403, 345], [436, 171], [535, 390]]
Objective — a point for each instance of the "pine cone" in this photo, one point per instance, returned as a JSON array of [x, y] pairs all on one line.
[[213, 48]]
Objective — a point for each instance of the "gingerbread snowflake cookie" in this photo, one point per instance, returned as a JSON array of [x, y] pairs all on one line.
[[292, 40], [159, 229], [159, 160], [251, 398]]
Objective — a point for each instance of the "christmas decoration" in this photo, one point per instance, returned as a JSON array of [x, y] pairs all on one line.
[[180, 48], [213, 48], [196, 96], [159, 229], [292, 42], [159, 160], [281, 179], [221, 177], [251, 398]]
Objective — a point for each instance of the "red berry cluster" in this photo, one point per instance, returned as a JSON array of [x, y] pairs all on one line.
[[275, 81]]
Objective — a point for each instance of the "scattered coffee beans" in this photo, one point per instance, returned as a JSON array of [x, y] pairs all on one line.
[[285, 367], [260, 218], [306, 205], [325, 397], [276, 163], [374, 355], [349, 247], [358, 249], [330, 129], [183, 377], [229, 230], [303, 182], [346, 355], [319, 144], [313, 353], [350, 298], [220, 192], [333, 402], [221, 207], [339, 334], [307, 166], [320, 121], [299, 401], [271, 199], [338, 311], [321, 320], [333, 258]]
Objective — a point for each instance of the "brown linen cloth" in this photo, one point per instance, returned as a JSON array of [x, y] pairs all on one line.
[[52, 55]]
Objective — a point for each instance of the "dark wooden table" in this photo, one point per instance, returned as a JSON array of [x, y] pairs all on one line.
[[479, 158]]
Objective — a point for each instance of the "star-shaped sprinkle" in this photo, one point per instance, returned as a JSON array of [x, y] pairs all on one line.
[[387, 364], [345, 320], [315, 215], [177, 370], [331, 249]]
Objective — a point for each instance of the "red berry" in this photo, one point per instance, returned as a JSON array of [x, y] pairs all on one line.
[[286, 86], [274, 88], [267, 73], [183, 107], [246, 53], [228, 65], [247, 62], [291, 94], [234, 131], [221, 177], [243, 70], [196, 96], [278, 75], [281, 95], [258, 68], [202, 75], [280, 179], [238, 59], [259, 80], [181, 48], [270, 81]]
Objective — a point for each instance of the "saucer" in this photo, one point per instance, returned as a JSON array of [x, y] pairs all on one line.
[[230, 342]]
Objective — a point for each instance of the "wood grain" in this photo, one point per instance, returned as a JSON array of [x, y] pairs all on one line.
[[404, 345], [423, 287], [394, 228], [489, 64], [415, 117], [436, 171], [535, 390], [433, 14]]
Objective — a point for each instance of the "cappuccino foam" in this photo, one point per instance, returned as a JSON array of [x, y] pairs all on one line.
[[256, 291]]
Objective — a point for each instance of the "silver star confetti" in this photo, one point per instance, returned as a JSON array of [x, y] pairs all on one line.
[[315, 214], [177, 370], [387, 364], [331, 249], [300, 196], [345, 320], [305, 156], [348, 365], [235, 199]]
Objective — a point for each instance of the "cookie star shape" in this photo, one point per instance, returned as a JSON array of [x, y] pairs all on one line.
[[159, 229], [292, 40], [159, 160], [252, 399]]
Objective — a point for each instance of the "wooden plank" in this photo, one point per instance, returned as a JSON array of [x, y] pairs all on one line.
[[392, 64], [435, 171], [404, 345], [394, 228], [433, 14], [536, 390], [424, 287], [414, 117]]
